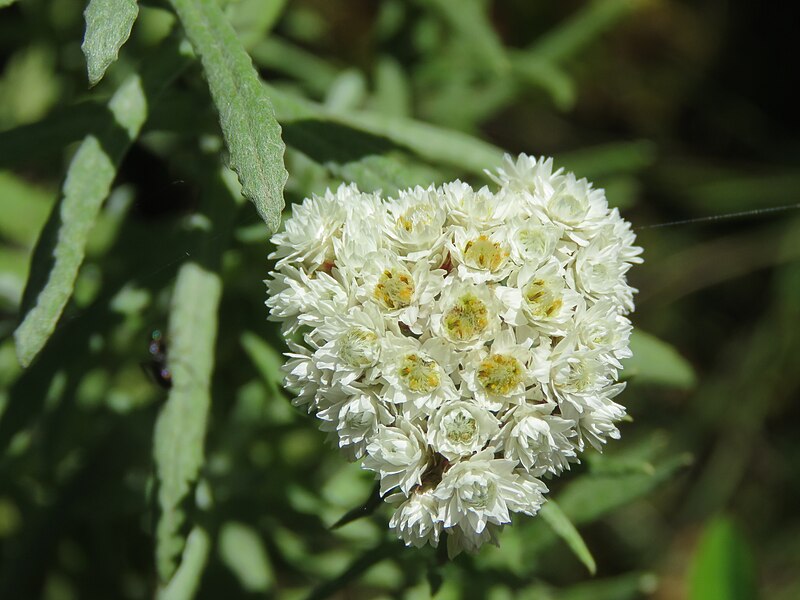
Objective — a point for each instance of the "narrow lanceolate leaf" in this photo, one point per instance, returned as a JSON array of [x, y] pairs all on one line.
[[435, 144], [108, 26], [181, 426], [62, 244], [251, 132], [184, 584], [563, 527]]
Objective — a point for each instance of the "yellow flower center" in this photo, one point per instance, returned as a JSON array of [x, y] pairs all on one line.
[[500, 374], [483, 253], [416, 217], [467, 319], [395, 288], [542, 301], [421, 375]]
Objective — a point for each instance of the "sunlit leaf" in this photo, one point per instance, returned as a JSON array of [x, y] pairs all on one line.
[[266, 359], [29, 84], [251, 132], [392, 91], [186, 581], [655, 361], [553, 515], [347, 91], [63, 241], [108, 26], [180, 430], [24, 207], [242, 551]]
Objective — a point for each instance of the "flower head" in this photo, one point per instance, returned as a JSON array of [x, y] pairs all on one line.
[[459, 343]]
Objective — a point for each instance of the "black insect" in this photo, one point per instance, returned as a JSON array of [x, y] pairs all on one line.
[[156, 367]]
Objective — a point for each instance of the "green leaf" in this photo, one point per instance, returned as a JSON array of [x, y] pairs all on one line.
[[546, 75], [469, 20], [347, 91], [589, 498], [4, 3], [723, 565], [108, 26], [388, 173], [62, 243], [372, 162], [435, 144], [428, 141], [657, 362], [251, 132], [392, 91], [276, 54], [29, 84], [243, 552], [24, 207], [631, 586], [559, 522], [87, 185], [253, 19], [184, 585], [267, 360], [582, 28], [181, 425]]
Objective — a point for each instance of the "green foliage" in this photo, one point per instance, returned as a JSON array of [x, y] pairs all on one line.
[[63, 242], [120, 216], [181, 426], [553, 515], [723, 565], [251, 132], [242, 551], [108, 26], [186, 581], [654, 361]]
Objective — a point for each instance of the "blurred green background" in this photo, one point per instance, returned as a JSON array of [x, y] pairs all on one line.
[[679, 109]]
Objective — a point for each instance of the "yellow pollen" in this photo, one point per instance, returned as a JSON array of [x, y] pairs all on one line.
[[541, 300], [467, 319], [421, 375], [416, 216], [483, 253], [395, 289], [500, 374]]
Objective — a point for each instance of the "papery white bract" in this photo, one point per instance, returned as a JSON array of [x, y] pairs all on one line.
[[459, 343]]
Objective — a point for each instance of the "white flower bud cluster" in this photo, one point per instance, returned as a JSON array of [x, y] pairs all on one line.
[[459, 343]]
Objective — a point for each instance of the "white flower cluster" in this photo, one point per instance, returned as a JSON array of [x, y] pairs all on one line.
[[459, 343]]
